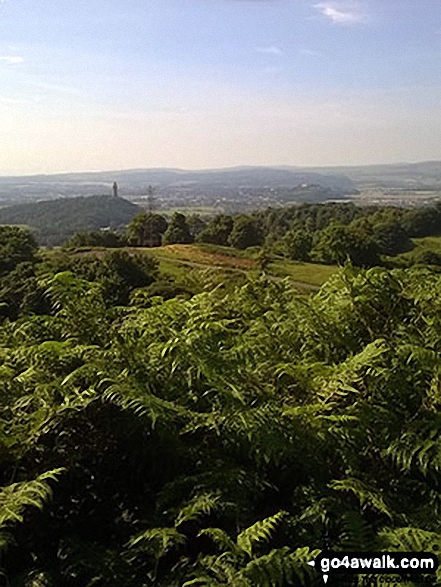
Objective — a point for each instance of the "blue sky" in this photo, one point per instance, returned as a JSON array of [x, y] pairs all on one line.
[[104, 84]]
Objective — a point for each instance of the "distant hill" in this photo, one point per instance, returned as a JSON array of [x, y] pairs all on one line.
[[237, 189], [309, 194], [345, 179], [411, 176], [55, 220], [232, 178]]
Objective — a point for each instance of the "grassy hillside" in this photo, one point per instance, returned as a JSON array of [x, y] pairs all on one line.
[[431, 243], [308, 273], [422, 246], [179, 262], [55, 220]]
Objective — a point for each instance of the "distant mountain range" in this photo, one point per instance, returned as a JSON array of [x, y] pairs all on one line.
[[236, 177], [424, 175], [234, 189], [346, 179]]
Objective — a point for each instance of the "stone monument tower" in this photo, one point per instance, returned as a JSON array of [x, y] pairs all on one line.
[[115, 189]]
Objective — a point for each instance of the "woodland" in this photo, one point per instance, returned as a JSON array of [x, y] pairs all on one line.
[[324, 233], [223, 436]]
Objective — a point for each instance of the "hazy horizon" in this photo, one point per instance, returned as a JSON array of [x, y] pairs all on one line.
[[212, 84], [221, 168]]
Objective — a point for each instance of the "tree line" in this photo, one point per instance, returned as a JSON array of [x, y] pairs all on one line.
[[323, 233]]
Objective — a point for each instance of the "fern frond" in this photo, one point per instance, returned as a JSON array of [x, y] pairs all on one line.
[[16, 497], [159, 541], [221, 570], [357, 534], [367, 495], [419, 448], [220, 538], [201, 505], [145, 406], [410, 540], [280, 567], [259, 532]]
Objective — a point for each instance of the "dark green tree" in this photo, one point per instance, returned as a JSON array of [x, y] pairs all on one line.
[[118, 272], [17, 245], [21, 293], [196, 225], [96, 238], [297, 244], [146, 230], [246, 233], [178, 231], [217, 231], [391, 238], [420, 222], [338, 243]]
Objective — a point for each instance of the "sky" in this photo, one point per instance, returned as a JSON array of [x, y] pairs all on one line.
[[111, 84]]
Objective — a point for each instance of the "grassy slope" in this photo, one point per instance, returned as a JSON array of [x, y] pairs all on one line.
[[310, 273], [428, 243], [180, 261], [432, 243], [177, 258]]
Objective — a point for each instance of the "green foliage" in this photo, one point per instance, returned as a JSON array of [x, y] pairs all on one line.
[[20, 292], [196, 224], [367, 496], [17, 245], [54, 221], [119, 273], [178, 231], [15, 498], [147, 230], [217, 232], [96, 238], [297, 244], [235, 568], [222, 439], [199, 506], [245, 233], [427, 257], [338, 243], [391, 238], [424, 221], [259, 532]]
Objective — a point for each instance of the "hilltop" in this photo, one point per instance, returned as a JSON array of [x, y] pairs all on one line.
[[54, 220]]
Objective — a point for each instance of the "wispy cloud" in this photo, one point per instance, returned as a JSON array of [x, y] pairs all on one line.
[[310, 52], [341, 13], [11, 59], [270, 50]]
